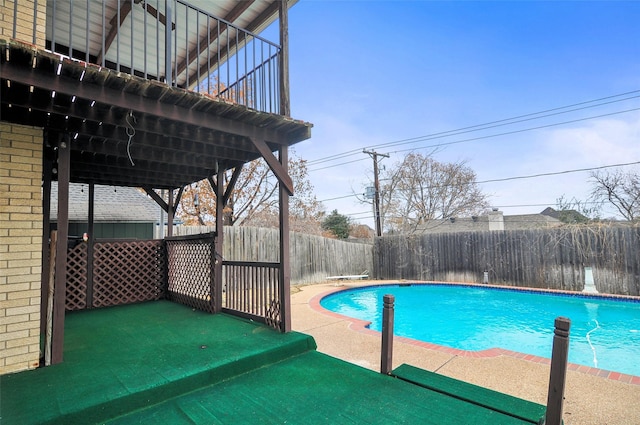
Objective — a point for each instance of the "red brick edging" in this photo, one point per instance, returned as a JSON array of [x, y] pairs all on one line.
[[362, 326]]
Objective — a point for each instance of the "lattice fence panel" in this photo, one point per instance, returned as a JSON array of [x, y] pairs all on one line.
[[190, 272], [76, 287], [126, 272]]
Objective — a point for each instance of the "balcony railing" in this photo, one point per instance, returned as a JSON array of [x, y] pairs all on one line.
[[252, 290], [166, 40]]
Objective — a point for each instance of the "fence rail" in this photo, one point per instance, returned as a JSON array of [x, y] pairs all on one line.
[[165, 40]]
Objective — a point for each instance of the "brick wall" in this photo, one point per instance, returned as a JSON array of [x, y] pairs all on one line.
[[26, 19], [20, 246], [20, 210]]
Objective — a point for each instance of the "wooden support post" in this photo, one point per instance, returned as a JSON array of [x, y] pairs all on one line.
[[170, 212], [557, 377], [219, 242], [60, 282], [386, 360], [285, 108], [285, 263], [48, 299], [90, 242]]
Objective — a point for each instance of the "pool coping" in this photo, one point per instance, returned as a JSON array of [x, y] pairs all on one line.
[[362, 326]]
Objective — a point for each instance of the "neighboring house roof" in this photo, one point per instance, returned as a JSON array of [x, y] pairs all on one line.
[[529, 221], [493, 220], [566, 216], [112, 205]]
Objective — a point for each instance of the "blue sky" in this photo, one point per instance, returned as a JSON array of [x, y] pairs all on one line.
[[367, 73]]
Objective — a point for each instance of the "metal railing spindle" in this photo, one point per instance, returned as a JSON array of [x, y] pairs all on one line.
[[118, 41], [71, 29], [131, 16], [103, 53], [87, 23]]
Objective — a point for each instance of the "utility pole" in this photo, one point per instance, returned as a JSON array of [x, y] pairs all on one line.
[[376, 184]]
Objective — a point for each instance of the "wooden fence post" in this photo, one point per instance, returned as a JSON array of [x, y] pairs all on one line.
[[557, 377], [386, 361]]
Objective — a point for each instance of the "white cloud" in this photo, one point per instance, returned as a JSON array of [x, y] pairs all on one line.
[[598, 143]]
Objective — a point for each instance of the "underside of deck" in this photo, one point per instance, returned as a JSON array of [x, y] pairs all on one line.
[[161, 362]]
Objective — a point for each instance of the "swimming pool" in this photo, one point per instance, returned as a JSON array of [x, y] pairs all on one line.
[[605, 333]]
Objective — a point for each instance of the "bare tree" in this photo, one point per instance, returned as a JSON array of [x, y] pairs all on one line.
[[575, 211], [419, 190], [254, 199], [620, 189]]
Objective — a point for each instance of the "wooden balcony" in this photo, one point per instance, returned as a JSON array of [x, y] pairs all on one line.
[[157, 94], [200, 50]]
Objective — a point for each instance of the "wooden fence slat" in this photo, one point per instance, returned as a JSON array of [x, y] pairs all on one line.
[[540, 258]]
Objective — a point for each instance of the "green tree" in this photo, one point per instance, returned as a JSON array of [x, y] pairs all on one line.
[[338, 224]]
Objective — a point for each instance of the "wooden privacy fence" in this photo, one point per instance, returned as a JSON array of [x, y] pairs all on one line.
[[313, 258], [544, 258]]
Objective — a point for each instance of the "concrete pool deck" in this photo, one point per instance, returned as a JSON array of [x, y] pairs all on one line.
[[589, 398]]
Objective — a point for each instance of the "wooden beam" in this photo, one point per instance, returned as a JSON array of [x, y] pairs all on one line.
[[271, 10], [150, 131], [219, 242], [206, 41], [178, 198], [170, 212], [159, 16], [285, 108], [278, 169], [90, 242], [213, 183], [60, 282], [138, 104], [125, 8], [232, 184], [157, 198], [285, 262]]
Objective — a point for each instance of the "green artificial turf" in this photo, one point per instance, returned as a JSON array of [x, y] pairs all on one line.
[[164, 363], [123, 358], [481, 396], [313, 388]]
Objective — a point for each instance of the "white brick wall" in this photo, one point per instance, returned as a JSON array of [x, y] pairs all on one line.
[[20, 246]]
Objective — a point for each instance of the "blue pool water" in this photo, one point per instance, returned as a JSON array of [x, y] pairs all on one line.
[[605, 333]]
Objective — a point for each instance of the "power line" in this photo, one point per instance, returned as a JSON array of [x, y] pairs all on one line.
[[336, 165], [577, 170], [494, 135], [530, 176], [518, 131], [484, 126], [495, 124], [339, 197]]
